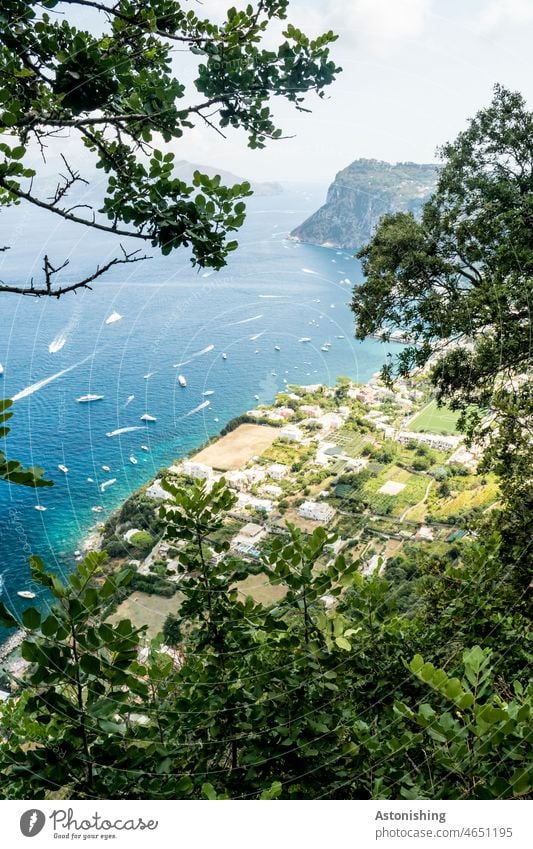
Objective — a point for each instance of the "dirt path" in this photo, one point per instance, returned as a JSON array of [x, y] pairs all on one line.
[[422, 501]]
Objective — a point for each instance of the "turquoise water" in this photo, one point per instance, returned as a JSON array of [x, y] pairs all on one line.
[[273, 289]]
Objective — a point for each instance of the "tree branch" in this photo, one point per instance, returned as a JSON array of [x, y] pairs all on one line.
[[47, 288]]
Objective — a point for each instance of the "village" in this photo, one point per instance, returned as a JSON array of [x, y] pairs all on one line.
[[382, 469]]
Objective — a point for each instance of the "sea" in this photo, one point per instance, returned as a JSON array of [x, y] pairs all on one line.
[[174, 320]]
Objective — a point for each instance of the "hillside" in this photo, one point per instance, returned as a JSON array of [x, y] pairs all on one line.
[[185, 169], [360, 195]]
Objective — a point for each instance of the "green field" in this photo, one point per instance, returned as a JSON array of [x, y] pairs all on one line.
[[433, 419]]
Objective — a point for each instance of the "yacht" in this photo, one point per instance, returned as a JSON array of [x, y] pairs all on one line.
[[1, 368], [147, 418], [305, 339], [115, 316], [145, 448], [85, 399], [324, 348], [181, 380], [97, 509], [277, 348], [224, 356], [40, 508], [26, 594], [63, 468], [256, 397], [106, 468], [90, 480], [133, 459], [208, 392]]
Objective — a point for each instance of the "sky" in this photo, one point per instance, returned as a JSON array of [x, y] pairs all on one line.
[[414, 71]]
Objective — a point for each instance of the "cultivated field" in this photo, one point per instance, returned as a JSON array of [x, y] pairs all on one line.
[[235, 449], [144, 609]]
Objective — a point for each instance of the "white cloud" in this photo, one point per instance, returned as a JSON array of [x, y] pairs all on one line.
[[381, 23], [505, 13]]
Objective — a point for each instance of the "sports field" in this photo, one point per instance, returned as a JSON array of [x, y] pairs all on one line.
[[433, 419]]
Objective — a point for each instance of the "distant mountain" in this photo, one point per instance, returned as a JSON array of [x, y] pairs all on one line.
[[360, 195], [185, 169]]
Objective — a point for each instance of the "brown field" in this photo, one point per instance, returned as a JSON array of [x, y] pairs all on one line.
[[144, 609], [235, 449], [261, 590]]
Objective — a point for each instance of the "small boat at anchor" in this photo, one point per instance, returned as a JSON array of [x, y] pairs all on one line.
[[147, 418], [63, 468], [26, 594], [181, 380]]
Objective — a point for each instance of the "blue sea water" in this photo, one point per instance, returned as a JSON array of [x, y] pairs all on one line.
[[273, 289]]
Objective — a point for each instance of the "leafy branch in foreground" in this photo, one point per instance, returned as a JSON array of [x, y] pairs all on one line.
[[12, 470], [295, 699], [114, 90]]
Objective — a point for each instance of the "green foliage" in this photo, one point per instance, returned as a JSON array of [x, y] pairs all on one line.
[[12, 470], [172, 631], [114, 90], [142, 540]]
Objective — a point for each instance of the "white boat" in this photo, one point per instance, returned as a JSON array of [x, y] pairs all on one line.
[[224, 356], [26, 594], [130, 399], [215, 419], [133, 459], [274, 373], [208, 392], [277, 348], [40, 508], [63, 468], [181, 380], [104, 485], [97, 509], [339, 337], [256, 397], [57, 344], [90, 480], [115, 316], [106, 468], [145, 448], [77, 552], [305, 339], [149, 375], [324, 348], [1, 368], [256, 351], [147, 418], [85, 399]]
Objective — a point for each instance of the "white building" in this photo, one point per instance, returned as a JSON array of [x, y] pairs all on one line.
[[432, 440], [273, 490], [311, 410], [245, 500], [277, 471], [292, 433], [196, 470], [316, 512], [155, 490], [330, 421]]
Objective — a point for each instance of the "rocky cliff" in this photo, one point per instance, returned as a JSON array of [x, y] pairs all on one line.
[[360, 195]]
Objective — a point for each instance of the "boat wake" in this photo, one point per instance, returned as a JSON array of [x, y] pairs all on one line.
[[197, 409], [195, 355], [124, 430], [245, 320], [29, 390]]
